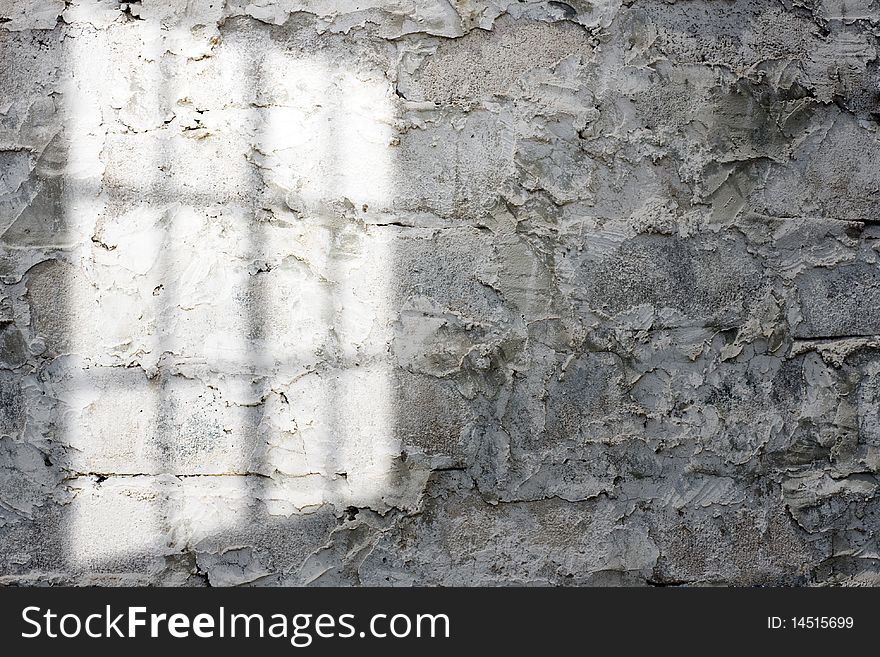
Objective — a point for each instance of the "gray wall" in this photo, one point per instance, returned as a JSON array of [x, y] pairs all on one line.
[[415, 292]]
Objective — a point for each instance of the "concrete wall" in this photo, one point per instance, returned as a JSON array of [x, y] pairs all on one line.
[[426, 292]]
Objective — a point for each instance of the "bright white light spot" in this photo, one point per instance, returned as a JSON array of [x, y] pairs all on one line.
[[193, 294]]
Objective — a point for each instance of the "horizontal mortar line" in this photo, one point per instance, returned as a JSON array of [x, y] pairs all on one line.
[[759, 216], [296, 366], [171, 195], [838, 338], [133, 475]]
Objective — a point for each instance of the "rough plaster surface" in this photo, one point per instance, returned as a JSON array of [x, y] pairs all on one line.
[[428, 292]]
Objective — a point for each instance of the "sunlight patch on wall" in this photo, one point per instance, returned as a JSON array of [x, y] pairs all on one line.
[[238, 319], [326, 152]]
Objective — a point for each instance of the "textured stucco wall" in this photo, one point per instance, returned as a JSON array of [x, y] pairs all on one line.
[[428, 292]]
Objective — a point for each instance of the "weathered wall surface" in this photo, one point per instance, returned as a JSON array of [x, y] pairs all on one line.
[[427, 292]]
